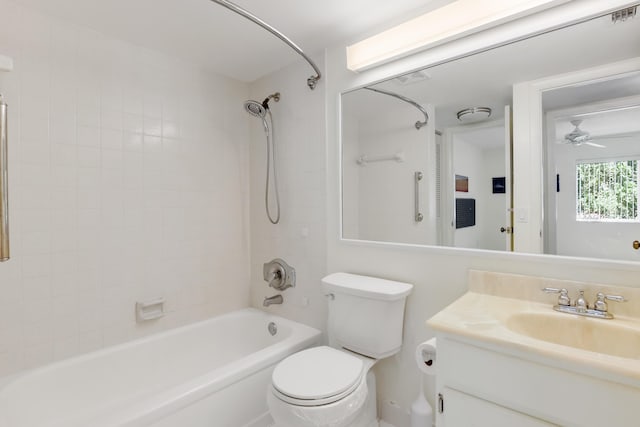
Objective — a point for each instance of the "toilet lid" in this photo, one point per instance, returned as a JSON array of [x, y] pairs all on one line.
[[317, 373]]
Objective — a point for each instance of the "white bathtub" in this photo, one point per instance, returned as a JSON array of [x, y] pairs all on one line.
[[213, 373]]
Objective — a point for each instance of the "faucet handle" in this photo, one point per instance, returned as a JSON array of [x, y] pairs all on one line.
[[581, 302], [601, 304], [563, 299]]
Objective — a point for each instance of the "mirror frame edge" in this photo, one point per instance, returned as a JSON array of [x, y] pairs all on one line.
[[529, 26]]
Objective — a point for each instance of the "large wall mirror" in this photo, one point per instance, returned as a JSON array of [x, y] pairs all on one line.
[[427, 157]]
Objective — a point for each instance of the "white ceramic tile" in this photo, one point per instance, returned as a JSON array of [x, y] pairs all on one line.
[[132, 141], [88, 115], [112, 159], [88, 136], [63, 155], [152, 105], [62, 127], [110, 203], [152, 126], [36, 242], [88, 177], [112, 119], [38, 153], [133, 100], [89, 157]]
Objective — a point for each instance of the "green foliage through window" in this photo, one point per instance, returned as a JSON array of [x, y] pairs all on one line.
[[607, 191]]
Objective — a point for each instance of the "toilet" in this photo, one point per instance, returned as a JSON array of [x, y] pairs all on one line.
[[334, 385]]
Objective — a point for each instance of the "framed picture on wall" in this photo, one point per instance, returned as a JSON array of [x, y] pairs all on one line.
[[462, 183], [499, 185]]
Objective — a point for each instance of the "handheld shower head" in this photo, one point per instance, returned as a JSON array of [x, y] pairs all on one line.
[[258, 109], [255, 108], [261, 110]]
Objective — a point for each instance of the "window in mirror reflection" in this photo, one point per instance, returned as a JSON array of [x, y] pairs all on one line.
[[607, 191]]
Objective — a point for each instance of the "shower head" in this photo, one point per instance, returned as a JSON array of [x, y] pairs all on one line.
[[258, 109], [255, 109]]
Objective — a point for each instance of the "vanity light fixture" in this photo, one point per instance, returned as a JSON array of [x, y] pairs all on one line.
[[455, 20], [474, 114]]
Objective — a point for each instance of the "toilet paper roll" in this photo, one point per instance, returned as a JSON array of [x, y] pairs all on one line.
[[426, 356]]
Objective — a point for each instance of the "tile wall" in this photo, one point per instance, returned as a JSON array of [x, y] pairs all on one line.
[[300, 237], [128, 181]]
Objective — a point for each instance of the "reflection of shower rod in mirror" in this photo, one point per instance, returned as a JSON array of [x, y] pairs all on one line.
[[418, 124]]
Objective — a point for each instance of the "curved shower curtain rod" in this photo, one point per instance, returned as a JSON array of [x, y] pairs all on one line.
[[418, 124], [311, 81]]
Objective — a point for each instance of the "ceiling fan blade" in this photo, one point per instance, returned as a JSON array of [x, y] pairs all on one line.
[[625, 135], [595, 145]]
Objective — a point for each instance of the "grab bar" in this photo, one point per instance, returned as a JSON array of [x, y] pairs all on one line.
[[363, 160], [4, 184], [417, 177]]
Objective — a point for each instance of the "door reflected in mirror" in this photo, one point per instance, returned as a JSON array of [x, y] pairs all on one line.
[[592, 151], [466, 195]]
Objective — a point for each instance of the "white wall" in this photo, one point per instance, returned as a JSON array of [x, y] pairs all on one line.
[[351, 176], [439, 274], [384, 196], [492, 212], [300, 237], [128, 180], [465, 163]]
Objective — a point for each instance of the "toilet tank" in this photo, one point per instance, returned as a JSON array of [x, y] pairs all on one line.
[[366, 314]]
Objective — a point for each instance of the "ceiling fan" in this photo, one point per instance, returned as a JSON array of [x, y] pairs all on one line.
[[579, 137]]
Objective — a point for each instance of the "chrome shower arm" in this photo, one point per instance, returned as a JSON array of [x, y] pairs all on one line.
[[418, 124], [311, 81]]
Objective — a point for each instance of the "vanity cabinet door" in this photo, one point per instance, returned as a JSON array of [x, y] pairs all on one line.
[[465, 410]]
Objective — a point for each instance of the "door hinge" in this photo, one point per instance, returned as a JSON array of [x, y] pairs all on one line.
[[440, 403]]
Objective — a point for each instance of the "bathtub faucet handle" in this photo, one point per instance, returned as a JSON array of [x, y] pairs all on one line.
[[274, 277], [279, 274]]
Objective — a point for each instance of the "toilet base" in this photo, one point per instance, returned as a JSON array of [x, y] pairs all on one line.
[[367, 416]]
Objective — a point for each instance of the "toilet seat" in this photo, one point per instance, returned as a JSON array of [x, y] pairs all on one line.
[[317, 376]]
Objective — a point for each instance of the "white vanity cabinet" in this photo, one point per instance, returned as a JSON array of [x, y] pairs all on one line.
[[465, 410], [487, 384]]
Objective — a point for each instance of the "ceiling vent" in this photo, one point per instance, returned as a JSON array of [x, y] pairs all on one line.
[[624, 14]]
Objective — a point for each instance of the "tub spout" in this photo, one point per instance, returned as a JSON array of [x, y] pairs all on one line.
[[276, 299]]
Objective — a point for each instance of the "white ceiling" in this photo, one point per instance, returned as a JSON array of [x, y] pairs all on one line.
[[204, 32]]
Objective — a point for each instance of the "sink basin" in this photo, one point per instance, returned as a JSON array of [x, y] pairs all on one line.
[[600, 336]]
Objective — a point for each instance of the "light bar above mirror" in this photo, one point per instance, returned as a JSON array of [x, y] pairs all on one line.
[[455, 20]]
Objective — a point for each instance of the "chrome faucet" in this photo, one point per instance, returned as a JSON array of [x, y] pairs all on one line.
[[581, 306], [276, 299]]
